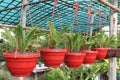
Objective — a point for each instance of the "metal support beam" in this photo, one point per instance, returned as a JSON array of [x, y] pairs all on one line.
[[110, 5], [113, 31], [26, 28], [31, 3], [91, 27]]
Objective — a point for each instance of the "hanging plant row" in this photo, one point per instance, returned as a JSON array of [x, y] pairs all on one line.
[[56, 48], [20, 54], [74, 49]]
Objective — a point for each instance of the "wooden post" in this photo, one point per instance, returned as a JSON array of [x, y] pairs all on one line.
[[112, 6], [113, 31]]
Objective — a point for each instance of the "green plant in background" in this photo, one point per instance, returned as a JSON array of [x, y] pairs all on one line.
[[74, 41], [21, 39], [4, 67], [89, 72], [71, 73], [100, 39], [88, 42], [118, 40], [54, 39], [103, 40], [4, 76], [83, 73], [63, 73], [4, 46], [118, 67], [55, 74], [112, 41], [9, 45], [104, 67]]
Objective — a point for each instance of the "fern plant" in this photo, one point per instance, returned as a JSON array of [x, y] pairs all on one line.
[[88, 42], [54, 39], [103, 40], [21, 40], [74, 41], [10, 43]]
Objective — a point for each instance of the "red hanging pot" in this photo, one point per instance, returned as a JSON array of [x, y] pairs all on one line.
[[112, 52], [89, 57], [21, 65], [74, 60], [101, 53], [52, 57]]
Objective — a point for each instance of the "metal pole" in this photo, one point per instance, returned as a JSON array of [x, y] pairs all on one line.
[[91, 28], [23, 20], [113, 31], [23, 14]]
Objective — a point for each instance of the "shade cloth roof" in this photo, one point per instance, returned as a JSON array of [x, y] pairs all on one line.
[[40, 11]]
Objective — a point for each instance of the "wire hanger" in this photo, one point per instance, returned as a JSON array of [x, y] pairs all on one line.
[[89, 11], [76, 5], [100, 15], [28, 8], [53, 12]]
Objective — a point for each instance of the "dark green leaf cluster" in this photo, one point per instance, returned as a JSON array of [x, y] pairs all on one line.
[[6, 47]]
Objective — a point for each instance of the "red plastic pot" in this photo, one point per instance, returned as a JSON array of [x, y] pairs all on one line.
[[74, 60], [20, 65], [52, 57], [101, 53], [89, 57], [113, 52]]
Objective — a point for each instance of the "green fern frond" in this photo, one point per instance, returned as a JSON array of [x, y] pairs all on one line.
[[11, 41], [30, 37], [19, 34], [22, 38], [56, 38]]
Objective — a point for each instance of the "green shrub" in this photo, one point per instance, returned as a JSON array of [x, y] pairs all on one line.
[[4, 76], [54, 74]]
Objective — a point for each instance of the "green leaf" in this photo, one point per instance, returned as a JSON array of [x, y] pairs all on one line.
[[19, 34], [11, 41], [22, 38], [56, 38], [30, 37]]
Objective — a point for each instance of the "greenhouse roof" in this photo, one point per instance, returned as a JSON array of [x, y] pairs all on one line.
[[40, 11]]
